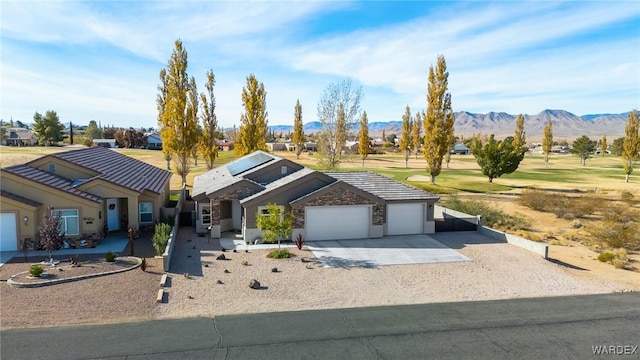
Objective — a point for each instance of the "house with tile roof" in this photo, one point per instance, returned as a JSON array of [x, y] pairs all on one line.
[[93, 190], [324, 205], [20, 137]]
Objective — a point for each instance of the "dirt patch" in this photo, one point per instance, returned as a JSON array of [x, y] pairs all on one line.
[[66, 270]]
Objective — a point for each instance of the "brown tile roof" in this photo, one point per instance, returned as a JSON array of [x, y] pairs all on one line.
[[18, 198], [119, 169], [51, 180]]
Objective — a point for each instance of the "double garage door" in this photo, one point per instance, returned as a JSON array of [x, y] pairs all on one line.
[[8, 232], [337, 222]]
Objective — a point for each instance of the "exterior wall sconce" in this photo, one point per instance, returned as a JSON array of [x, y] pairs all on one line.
[[26, 220]]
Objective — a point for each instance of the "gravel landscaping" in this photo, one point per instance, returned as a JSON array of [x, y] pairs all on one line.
[[199, 285]]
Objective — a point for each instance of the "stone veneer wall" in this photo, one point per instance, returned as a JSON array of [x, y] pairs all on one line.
[[236, 194], [334, 197]]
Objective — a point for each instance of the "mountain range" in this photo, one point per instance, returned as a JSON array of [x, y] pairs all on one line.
[[565, 125]]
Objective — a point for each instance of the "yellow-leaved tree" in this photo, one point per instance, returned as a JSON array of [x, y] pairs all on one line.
[[298, 129], [438, 120], [252, 135], [363, 137], [208, 144], [178, 110], [631, 143]]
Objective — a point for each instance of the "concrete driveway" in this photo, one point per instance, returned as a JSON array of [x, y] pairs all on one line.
[[390, 250]]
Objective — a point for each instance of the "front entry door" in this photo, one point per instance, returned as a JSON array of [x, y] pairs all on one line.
[[113, 215]]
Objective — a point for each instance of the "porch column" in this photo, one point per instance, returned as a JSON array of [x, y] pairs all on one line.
[[215, 218], [132, 215]]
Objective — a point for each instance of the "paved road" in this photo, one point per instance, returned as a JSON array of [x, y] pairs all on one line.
[[542, 328]]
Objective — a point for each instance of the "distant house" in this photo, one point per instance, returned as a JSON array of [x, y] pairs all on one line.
[[276, 147], [154, 141], [225, 145], [108, 143], [310, 146], [351, 146], [21, 137], [460, 149]]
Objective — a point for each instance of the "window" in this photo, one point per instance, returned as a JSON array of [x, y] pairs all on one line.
[[146, 212], [69, 224], [264, 211], [52, 168], [205, 214]]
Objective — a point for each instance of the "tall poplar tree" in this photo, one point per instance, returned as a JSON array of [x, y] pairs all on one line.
[[208, 143], [439, 119], [547, 142], [363, 137], [252, 135], [519, 139], [631, 143], [417, 133], [338, 109], [178, 110], [298, 129], [603, 145], [406, 141]]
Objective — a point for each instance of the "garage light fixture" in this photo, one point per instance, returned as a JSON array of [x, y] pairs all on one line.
[[26, 220]]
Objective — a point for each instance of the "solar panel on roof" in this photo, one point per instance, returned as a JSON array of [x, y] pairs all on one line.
[[248, 162]]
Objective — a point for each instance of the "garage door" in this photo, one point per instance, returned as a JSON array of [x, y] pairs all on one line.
[[404, 219], [337, 222], [8, 233]]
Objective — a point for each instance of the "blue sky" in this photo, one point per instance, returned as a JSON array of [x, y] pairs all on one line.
[[99, 60]]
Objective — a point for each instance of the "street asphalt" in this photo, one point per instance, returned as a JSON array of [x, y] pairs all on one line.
[[537, 328]]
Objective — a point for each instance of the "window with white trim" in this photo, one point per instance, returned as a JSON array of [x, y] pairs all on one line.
[[205, 214], [69, 223], [146, 212], [264, 211]]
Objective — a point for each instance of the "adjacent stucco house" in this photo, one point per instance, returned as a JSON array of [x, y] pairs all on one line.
[[325, 206], [89, 188]]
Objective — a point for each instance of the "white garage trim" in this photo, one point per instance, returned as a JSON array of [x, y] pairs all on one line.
[[405, 219], [337, 222], [8, 232]]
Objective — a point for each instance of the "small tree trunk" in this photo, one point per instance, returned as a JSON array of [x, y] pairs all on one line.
[[626, 178], [433, 180], [491, 180]]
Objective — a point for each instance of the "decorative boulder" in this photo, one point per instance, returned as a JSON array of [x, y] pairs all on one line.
[[257, 241], [274, 270], [254, 284], [221, 257]]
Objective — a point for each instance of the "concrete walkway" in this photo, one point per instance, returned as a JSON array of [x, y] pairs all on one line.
[[390, 250]]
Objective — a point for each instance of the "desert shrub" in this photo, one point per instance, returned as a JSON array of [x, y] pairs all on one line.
[[161, 237], [576, 224], [616, 234], [619, 264], [560, 205], [627, 198], [534, 199], [491, 216], [110, 256], [606, 256], [36, 270], [279, 254], [621, 254]]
